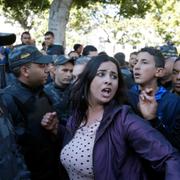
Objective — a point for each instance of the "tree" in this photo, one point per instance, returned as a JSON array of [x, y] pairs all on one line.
[[58, 18], [59, 12], [113, 30], [166, 19], [21, 10], [159, 25]]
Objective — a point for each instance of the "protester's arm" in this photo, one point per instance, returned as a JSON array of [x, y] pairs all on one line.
[[50, 122], [149, 144]]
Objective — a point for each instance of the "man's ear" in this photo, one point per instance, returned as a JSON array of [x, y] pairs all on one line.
[[24, 71], [160, 72]]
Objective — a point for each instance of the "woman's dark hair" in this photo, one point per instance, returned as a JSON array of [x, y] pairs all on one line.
[[81, 88]]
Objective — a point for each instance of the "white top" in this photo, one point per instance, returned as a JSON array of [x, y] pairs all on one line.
[[77, 155]]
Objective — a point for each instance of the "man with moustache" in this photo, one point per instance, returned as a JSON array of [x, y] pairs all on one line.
[[12, 164], [27, 103]]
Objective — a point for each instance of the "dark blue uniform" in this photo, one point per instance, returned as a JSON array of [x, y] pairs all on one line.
[[60, 98], [40, 148], [12, 166]]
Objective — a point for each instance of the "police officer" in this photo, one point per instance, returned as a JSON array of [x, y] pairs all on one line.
[[59, 90], [27, 104], [12, 164]]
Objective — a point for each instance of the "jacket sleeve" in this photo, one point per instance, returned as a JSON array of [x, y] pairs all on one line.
[[174, 135], [12, 165], [17, 118], [149, 144]]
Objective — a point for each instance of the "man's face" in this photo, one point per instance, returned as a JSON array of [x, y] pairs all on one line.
[[176, 77], [63, 74], [144, 70], [36, 74], [169, 67], [26, 39], [77, 70], [49, 40], [51, 69], [79, 50], [132, 60], [92, 53]]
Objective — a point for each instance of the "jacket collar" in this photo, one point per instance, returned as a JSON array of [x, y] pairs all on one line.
[[110, 111], [158, 95], [21, 91]]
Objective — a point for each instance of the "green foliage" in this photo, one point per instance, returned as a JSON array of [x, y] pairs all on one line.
[[166, 20], [160, 24], [23, 10], [127, 8], [34, 5], [131, 22], [130, 8]]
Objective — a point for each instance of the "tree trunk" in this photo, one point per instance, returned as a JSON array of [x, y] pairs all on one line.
[[58, 19]]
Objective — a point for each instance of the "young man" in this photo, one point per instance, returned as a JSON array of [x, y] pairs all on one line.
[[90, 51], [176, 77], [78, 48], [52, 49], [132, 60], [127, 74], [59, 90], [25, 39], [154, 102], [27, 103]]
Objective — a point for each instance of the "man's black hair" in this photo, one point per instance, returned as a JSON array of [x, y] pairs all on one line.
[[120, 57], [158, 57], [49, 33], [25, 32], [87, 50], [76, 46]]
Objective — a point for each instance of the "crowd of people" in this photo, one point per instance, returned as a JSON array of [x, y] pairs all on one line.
[[86, 115]]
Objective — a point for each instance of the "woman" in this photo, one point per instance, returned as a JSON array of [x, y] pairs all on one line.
[[104, 140]]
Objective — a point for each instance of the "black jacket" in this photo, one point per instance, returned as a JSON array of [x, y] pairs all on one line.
[[60, 98], [40, 148], [12, 166]]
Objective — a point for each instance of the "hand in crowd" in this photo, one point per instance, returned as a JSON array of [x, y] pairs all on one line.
[[50, 122], [148, 104]]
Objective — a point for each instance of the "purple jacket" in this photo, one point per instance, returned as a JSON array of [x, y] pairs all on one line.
[[122, 141]]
